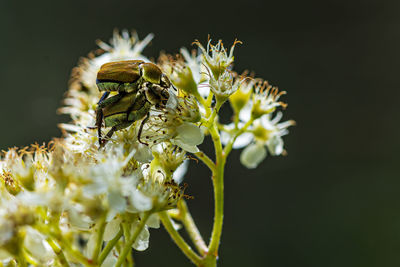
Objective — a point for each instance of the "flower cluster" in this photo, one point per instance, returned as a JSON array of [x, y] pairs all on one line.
[[81, 202]]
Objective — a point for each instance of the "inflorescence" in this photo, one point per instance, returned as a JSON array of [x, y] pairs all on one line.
[[71, 202]]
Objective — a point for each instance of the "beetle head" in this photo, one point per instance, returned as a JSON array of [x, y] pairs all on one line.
[[150, 73], [156, 94], [165, 82]]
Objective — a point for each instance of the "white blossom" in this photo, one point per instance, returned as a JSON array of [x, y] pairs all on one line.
[[266, 132]]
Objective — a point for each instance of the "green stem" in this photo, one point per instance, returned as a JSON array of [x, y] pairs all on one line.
[[208, 103], [218, 183], [191, 228], [74, 253], [58, 251], [110, 245], [236, 120], [99, 242], [205, 159], [126, 226], [21, 260], [201, 100], [179, 241], [128, 245], [28, 257]]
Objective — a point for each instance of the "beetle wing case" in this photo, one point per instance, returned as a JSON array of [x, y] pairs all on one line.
[[120, 71]]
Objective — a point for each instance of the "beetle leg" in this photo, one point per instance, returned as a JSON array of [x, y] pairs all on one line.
[[141, 128], [105, 102], [111, 132], [99, 115], [104, 96], [108, 136], [99, 120]]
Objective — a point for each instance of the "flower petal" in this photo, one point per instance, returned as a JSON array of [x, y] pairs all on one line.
[[111, 230], [172, 102], [142, 241], [143, 154], [140, 201], [190, 134], [110, 261], [180, 172], [153, 221], [252, 155], [116, 201], [34, 242], [275, 145], [243, 140], [184, 146]]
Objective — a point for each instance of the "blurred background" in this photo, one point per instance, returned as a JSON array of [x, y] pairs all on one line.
[[333, 201]]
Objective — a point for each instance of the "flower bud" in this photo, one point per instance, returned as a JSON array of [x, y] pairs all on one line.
[[242, 95]]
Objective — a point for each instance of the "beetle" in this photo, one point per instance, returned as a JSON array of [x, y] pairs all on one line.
[[138, 86]]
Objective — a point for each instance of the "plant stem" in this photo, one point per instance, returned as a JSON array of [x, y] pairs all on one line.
[[191, 228], [128, 245], [218, 183], [180, 242], [21, 261], [126, 226], [28, 257], [99, 242], [58, 251], [205, 159], [110, 245]]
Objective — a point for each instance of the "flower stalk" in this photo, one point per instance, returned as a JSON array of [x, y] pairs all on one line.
[[128, 244], [191, 228], [218, 183], [110, 245], [179, 241]]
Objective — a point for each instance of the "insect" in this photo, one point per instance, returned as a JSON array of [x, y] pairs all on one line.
[[139, 86]]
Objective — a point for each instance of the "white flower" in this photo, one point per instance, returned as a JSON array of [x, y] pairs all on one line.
[[107, 178], [77, 219], [176, 125], [224, 86], [241, 97], [216, 57], [159, 191], [140, 202], [265, 99], [194, 63], [266, 133], [241, 141], [168, 157]]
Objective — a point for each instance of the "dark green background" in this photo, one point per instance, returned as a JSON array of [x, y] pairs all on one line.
[[333, 201]]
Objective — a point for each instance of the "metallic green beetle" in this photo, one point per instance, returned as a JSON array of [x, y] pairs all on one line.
[[139, 86]]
